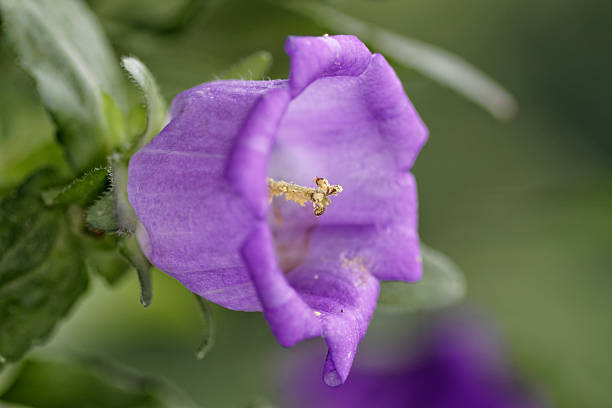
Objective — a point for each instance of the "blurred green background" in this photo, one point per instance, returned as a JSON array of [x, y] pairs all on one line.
[[524, 207]]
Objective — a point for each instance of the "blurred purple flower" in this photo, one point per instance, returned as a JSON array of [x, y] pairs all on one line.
[[200, 190], [459, 365]]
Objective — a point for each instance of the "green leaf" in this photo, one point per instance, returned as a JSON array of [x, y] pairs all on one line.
[[62, 46], [443, 284], [27, 229], [156, 106], [16, 168], [253, 67], [82, 191], [434, 62], [102, 215], [41, 272], [61, 384]]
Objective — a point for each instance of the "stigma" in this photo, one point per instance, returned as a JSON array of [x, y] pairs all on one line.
[[319, 196]]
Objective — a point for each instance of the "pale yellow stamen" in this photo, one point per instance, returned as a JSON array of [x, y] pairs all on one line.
[[319, 196]]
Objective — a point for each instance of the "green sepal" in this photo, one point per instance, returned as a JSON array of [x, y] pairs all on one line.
[[127, 221], [130, 249], [116, 127], [208, 328], [102, 215], [112, 212], [83, 191], [155, 104]]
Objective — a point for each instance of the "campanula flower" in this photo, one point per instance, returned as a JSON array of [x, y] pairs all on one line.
[[459, 364], [292, 197]]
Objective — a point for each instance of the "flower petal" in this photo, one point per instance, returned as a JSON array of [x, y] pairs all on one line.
[[290, 319], [354, 125], [248, 163], [313, 58], [337, 283], [195, 221], [360, 132]]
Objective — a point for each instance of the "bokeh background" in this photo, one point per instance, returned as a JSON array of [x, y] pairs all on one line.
[[523, 207]]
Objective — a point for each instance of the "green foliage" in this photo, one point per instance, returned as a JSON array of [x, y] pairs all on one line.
[[28, 228], [442, 285], [84, 190], [156, 106], [254, 67], [61, 45], [59, 384], [41, 270]]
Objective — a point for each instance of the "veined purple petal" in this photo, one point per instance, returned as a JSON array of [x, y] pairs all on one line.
[[313, 58], [200, 190], [196, 222], [336, 282], [290, 318]]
